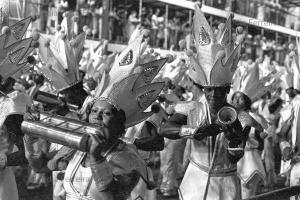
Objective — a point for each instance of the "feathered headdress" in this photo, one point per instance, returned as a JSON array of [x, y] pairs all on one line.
[[129, 86], [14, 49], [61, 66], [133, 59], [135, 92], [133, 101], [217, 53], [97, 63], [251, 85]]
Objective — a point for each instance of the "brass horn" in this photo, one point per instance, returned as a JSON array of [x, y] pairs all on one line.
[[68, 132], [227, 115]]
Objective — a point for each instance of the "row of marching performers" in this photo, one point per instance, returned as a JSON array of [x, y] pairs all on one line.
[[210, 115]]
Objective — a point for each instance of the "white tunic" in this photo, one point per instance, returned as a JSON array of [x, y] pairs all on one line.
[[223, 183]]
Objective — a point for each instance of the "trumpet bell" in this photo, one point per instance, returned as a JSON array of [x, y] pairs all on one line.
[[227, 115]]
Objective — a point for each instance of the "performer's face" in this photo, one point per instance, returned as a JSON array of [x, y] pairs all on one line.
[[102, 113], [215, 96], [239, 101]]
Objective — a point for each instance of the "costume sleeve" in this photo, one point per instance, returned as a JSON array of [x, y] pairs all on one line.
[[153, 142], [102, 175], [181, 120]]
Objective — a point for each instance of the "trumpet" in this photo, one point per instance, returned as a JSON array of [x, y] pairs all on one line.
[[227, 115], [68, 132]]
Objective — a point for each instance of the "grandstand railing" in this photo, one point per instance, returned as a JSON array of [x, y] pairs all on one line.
[[237, 17], [112, 47]]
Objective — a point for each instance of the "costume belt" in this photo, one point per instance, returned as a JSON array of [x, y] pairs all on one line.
[[75, 197], [216, 173], [251, 149]]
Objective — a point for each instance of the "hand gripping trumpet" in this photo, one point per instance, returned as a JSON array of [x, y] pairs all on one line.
[[229, 117], [68, 132]]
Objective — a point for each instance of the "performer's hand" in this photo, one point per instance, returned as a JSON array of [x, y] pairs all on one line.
[[233, 131], [286, 153], [97, 143], [207, 130], [31, 114]]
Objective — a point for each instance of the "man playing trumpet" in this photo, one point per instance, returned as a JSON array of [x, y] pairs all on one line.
[[217, 131]]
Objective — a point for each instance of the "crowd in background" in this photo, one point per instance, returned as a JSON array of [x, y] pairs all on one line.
[[178, 86], [271, 57], [123, 19]]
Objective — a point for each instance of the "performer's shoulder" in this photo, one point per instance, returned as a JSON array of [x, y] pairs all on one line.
[[186, 106]]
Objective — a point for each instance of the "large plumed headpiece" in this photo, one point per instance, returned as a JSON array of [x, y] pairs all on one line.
[[252, 85], [61, 62], [217, 53], [129, 85], [14, 49]]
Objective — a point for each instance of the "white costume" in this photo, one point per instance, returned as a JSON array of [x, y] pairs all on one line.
[[292, 117], [250, 168], [212, 172]]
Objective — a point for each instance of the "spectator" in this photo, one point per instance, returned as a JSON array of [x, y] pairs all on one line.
[[43, 14], [95, 25], [132, 23], [261, 11], [155, 24], [174, 31], [146, 21], [62, 6], [85, 14], [160, 33]]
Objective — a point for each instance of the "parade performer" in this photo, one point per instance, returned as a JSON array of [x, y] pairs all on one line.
[[111, 168], [13, 104], [289, 133], [145, 135], [248, 89], [215, 149]]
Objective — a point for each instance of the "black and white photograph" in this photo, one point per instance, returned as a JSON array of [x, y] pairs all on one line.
[[149, 99]]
